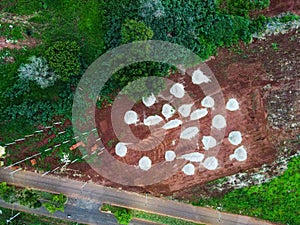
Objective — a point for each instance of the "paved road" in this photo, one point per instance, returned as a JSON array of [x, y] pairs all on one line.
[[101, 194], [80, 211]]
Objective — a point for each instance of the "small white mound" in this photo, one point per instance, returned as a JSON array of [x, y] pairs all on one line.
[[145, 163], [240, 154], [131, 117], [149, 101], [189, 169], [208, 102], [185, 109], [232, 105], [198, 77], [193, 157], [152, 120], [235, 137], [121, 149], [211, 163], [189, 133], [167, 111], [177, 90], [2, 151], [170, 156], [172, 124], [219, 122], [209, 142], [198, 114]]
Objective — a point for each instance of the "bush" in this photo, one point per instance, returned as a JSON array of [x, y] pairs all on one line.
[[56, 203], [135, 31], [63, 59], [242, 7], [144, 87], [37, 71], [29, 198]]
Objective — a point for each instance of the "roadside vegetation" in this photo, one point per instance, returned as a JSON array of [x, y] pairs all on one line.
[[32, 199], [277, 200], [124, 216], [29, 219], [38, 82]]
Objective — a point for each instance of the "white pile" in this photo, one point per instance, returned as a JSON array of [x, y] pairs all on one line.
[[240, 154], [167, 111], [193, 157], [189, 169], [170, 156], [189, 133], [210, 163], [152, 120], [172, 124], [232, 105], [198, 77], [235, 137], [209, 142], [185, 110], [121, 149], [208, 102], [177, 90], [145, 163], [198, 114], [131, 117], [219, 122], [149, 101]]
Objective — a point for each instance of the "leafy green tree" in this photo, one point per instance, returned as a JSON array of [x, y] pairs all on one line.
[[133, 30], [122, 215], [56, 203], [7, 193], [29, 198], [63, 59]]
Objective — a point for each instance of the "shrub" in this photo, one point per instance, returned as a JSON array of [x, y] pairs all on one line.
[[37, 71], [56, 203], [135, 31], [63, 58], [29, 198], [242, 7]]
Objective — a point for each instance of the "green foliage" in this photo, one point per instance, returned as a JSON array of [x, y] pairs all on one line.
[[56, 203], [122, 215], [11, 32], [241, 7], [22, 7], [144, 87], [7, 193], [135, 31], [29, 198], [277, 200], [63, 59]]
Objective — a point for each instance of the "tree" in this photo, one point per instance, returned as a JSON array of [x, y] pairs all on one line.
[[133, 30], [63, 59], [56, 203], [7, 193], [123, 215], [29, 198]]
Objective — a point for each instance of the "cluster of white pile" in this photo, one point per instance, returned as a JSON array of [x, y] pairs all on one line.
[[185, 111]]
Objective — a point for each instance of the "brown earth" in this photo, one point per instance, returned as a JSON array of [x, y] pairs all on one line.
[[266, 83], [279, 6]]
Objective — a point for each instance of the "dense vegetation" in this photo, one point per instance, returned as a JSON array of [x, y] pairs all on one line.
[[29, 219], [31, 198], [124, 216], [39, 84], [277, 200]]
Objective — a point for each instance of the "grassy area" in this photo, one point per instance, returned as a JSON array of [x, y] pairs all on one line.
[[277, 200], [29, 219], [145, 216]]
